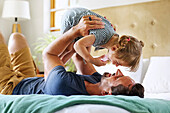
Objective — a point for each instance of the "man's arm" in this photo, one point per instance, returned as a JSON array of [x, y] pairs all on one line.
[[52, 52]]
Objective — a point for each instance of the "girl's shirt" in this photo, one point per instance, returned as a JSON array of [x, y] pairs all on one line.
[[72, 18]]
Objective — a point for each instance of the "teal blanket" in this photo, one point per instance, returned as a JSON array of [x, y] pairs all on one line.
[[50, 104]]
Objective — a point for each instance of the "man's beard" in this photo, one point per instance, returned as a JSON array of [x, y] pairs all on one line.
[[104, 83]]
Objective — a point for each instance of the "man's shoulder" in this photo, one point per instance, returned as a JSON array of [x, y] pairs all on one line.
[[61, 73]]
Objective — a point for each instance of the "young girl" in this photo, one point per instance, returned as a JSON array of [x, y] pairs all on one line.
[[125, 52]]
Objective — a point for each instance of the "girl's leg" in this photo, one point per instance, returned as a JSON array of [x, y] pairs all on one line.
[[21, 57]]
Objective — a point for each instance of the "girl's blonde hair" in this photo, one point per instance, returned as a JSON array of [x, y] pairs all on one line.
[[129, 50]]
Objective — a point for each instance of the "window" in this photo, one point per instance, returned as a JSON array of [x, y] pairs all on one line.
[[58, 7]]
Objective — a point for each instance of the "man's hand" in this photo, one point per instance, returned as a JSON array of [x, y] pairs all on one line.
[[85, 24]]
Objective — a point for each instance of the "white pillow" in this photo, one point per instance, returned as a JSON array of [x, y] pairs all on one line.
[[144, 68], [157, 78], [137, 76]]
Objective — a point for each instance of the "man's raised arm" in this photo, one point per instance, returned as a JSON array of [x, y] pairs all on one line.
[[51, 53]]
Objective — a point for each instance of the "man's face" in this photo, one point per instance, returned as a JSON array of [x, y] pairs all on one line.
[[110, 80]]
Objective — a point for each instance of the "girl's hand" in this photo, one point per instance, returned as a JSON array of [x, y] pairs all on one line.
[[104, 58], [98, 61], [85, 24]]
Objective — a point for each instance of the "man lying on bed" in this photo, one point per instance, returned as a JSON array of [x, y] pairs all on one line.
[[17, 71]]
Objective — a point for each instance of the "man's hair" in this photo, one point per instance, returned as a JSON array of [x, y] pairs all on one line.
[[136, 90]]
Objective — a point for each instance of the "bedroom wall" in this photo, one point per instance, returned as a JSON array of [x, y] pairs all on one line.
[[5, 26], [149, 22], [32, 29]]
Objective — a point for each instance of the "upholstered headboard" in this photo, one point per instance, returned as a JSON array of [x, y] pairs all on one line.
[[149, 22]]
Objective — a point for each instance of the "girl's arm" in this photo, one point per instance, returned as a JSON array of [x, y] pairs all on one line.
[[83, 68], [81, 48]]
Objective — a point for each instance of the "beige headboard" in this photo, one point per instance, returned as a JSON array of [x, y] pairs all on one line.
[[149, 22]]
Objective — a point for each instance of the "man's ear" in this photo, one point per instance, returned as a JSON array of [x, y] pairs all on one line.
[[114, 48]]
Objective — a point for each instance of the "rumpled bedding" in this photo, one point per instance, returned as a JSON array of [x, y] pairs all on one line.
[[51, 104]]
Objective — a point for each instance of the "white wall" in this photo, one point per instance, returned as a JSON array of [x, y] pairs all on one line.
[[5, 25], [91, 4], [32, 29]]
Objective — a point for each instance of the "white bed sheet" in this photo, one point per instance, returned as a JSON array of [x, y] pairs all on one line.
[[92, 108], [165, 96]]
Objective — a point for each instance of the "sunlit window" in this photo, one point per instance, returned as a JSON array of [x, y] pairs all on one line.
[[58, 7]]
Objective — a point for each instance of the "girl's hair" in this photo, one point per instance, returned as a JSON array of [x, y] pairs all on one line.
[[129, 51]]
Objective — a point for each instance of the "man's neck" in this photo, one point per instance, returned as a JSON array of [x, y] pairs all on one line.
[[92, 89]]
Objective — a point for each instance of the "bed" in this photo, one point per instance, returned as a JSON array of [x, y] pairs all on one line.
[[153, 73]]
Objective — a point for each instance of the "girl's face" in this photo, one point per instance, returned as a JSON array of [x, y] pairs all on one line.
[[114, 60]]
